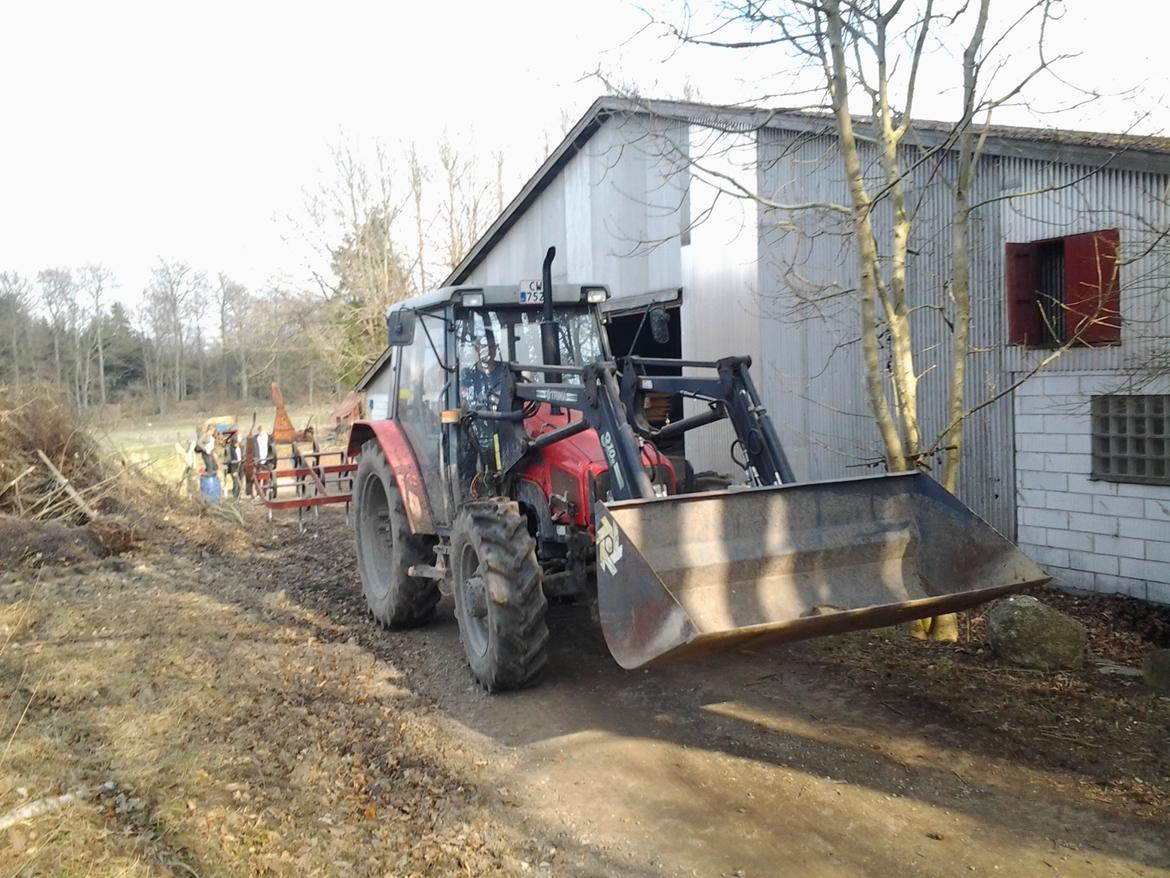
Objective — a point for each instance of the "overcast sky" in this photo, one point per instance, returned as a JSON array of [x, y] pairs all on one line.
[[134, 131]]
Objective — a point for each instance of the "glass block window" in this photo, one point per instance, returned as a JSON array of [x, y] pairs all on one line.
[[1131, 438]]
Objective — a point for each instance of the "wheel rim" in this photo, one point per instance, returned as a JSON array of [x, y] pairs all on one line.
[[473, 601], [377, 535]]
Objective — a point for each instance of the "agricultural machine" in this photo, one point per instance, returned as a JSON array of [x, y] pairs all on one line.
[[518, 465], [287, 469]]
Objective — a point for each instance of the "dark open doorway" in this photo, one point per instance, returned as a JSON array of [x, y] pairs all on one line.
[[623, 329], [629, 332]]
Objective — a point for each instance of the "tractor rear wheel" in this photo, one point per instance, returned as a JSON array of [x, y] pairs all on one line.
[[386, 548], [499, 602]]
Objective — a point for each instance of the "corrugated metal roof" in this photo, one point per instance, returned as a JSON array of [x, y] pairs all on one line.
[[1118, 151]]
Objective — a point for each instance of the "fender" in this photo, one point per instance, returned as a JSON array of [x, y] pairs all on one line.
[[402, 463]]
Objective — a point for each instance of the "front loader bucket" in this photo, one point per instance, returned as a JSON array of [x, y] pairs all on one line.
[[685, 576]]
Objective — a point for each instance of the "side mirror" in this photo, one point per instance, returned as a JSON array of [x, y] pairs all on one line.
[[659, 324], [400, 328]]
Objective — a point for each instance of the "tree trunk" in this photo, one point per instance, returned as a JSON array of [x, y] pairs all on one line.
[[946, 628], [863, 236], [15, 355], [223, 339], [178, 362], [200, 358], [244, 394], [79, 390], [969, 149], [101, 364], [87, 377]]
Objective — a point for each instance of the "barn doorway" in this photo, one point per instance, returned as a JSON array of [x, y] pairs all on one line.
[[629, 331]]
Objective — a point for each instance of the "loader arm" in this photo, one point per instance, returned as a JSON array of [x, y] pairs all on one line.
[[731, 394], [598, 398], [685, 576]]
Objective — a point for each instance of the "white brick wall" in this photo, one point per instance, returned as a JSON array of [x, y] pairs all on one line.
[[1105, 536]]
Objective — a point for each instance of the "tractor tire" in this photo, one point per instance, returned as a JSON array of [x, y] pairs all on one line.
[[386, 548], [499, 602]]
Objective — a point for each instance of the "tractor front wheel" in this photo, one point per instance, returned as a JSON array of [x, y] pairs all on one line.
[[499, 602], [386, 548]]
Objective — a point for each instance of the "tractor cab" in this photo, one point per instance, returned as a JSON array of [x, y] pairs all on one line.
[[460, 355]]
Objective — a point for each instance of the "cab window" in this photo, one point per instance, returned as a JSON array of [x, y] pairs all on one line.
[[422, 383]]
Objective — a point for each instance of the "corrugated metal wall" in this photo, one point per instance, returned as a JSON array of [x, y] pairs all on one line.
[[612, 213], [808, 269], [720, 314], [811, 338]]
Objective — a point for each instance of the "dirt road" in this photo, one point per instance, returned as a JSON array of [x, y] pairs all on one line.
[[800, 760]]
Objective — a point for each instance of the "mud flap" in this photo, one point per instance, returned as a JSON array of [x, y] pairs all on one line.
[[685, 576]]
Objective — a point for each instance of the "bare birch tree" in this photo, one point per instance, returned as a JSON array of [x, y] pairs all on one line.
[[418, 179], [870, 55], [58, 294], [173, 296], [465, 202], [95, 280]]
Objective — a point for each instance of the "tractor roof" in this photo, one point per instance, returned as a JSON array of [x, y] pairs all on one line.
[[497, 294]]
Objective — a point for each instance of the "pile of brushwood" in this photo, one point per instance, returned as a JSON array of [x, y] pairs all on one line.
[[51, 468], [63, 496]]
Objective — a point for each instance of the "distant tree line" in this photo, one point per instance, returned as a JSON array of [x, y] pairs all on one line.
[[60, 327], [375, 232]]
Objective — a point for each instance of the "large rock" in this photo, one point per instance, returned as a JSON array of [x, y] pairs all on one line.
[[1030, 634], [1156, 671]]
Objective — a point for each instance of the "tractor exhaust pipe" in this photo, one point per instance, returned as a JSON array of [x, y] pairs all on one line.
[[550, 340]]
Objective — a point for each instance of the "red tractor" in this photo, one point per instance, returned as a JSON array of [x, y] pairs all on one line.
[[517, 464]]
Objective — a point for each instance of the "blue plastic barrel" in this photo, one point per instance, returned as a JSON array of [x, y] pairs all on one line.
[[209, 485]]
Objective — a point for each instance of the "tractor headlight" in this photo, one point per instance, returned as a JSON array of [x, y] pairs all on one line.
[[472, 300], [596, 295]]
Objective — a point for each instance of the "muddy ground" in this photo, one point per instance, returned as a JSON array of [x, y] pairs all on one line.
[[248, 718]]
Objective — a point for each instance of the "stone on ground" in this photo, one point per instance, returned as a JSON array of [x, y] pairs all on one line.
[[1156, 671], [1030, 634]]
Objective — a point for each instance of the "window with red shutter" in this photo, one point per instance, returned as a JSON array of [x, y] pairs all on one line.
[[1092, 297], [1024, 323], [1064, 290]]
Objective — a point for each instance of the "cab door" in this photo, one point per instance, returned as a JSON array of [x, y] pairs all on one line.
[[420, 398]]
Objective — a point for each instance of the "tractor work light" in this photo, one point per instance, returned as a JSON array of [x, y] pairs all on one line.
[[596, 295], [472, 300]]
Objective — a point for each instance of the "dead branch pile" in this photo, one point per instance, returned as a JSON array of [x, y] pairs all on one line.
[[65, 497], [51, 468]]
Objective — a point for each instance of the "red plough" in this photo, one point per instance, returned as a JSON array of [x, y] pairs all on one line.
[[305, 480]]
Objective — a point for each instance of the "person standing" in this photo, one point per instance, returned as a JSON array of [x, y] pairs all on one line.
[[233, 455], [209, 472]]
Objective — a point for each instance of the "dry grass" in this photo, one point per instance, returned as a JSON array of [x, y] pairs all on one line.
[[238, 742]]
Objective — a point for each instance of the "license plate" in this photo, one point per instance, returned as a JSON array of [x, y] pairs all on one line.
[[531, 293]]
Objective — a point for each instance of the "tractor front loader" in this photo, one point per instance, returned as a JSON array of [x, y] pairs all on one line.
[[518, 465]]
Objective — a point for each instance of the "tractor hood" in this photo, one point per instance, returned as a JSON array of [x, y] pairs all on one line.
[[575, 468]]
